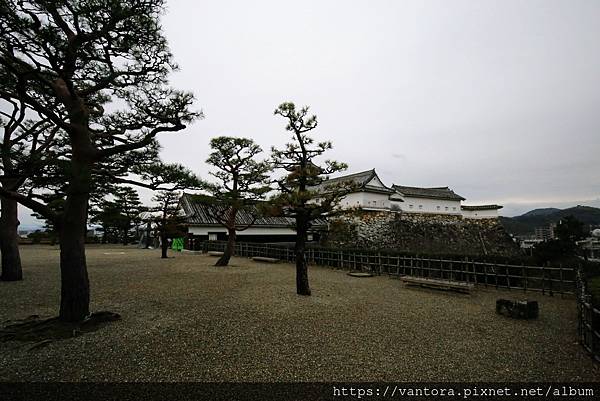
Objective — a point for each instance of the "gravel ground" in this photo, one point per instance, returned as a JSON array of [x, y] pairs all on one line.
[[186, 320]]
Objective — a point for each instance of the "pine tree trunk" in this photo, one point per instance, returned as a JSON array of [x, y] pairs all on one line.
[[164, 246], [148, 233], [302, 286], [75, 288], [72, 222], [229, 249], [9, 241]]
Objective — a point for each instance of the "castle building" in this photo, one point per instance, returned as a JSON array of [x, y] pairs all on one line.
[[252, 225], [372, 194]]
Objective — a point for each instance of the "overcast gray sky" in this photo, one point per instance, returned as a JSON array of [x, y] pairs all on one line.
[[497, 99]]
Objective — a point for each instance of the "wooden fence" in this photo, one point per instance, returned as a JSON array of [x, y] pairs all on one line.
[[588, 319], [547, 280]]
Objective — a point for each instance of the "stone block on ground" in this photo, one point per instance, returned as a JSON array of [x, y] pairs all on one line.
[[517, 309]]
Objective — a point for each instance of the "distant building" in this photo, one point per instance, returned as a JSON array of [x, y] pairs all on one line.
[[545, 233], [438, 200], [480, 212], [528, 245], [203, 226], [24, 233], [591, 245], [372, 194]]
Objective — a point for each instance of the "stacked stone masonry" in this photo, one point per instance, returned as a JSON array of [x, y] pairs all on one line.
[[420, 233]]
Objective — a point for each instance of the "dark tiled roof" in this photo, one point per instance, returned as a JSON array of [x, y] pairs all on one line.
[[197, 212], [436, 192], [481, 207], [360, 180]]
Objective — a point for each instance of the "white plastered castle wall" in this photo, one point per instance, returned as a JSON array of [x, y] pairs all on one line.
[[426, 205]]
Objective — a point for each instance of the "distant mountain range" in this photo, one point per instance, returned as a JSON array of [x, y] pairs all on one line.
[[526, 224]]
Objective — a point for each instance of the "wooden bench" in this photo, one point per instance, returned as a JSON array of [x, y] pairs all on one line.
[[214, 253], [265, 259], [459, 286]]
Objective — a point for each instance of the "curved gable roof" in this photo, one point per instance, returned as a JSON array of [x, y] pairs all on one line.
[[362, 180], [434, 192]]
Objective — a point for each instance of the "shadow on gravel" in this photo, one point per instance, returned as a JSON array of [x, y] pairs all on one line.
[[43, 331]]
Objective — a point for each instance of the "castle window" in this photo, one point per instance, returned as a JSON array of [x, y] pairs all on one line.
[[446, 208], [420, 206], [410, 206], [438, 208]]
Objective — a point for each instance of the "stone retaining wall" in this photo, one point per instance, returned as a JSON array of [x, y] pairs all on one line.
[[420, 233]]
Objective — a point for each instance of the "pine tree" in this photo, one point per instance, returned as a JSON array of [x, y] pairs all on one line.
[[242, 182], [70, 60], [168, 219], [302, 194]]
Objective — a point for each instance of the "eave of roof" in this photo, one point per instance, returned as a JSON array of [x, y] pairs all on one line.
[[428, 193], [318, 225], [481, 207], [377, 190]]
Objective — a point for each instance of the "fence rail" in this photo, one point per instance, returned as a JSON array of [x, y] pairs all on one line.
[[588, 319], [544, 279]]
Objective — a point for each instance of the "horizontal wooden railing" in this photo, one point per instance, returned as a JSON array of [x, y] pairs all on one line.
[[544, 279]]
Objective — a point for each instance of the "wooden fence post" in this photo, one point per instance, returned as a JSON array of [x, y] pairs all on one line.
[[550, 290], [485, 274], [496, 271], [544, 278], [562, 286]]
